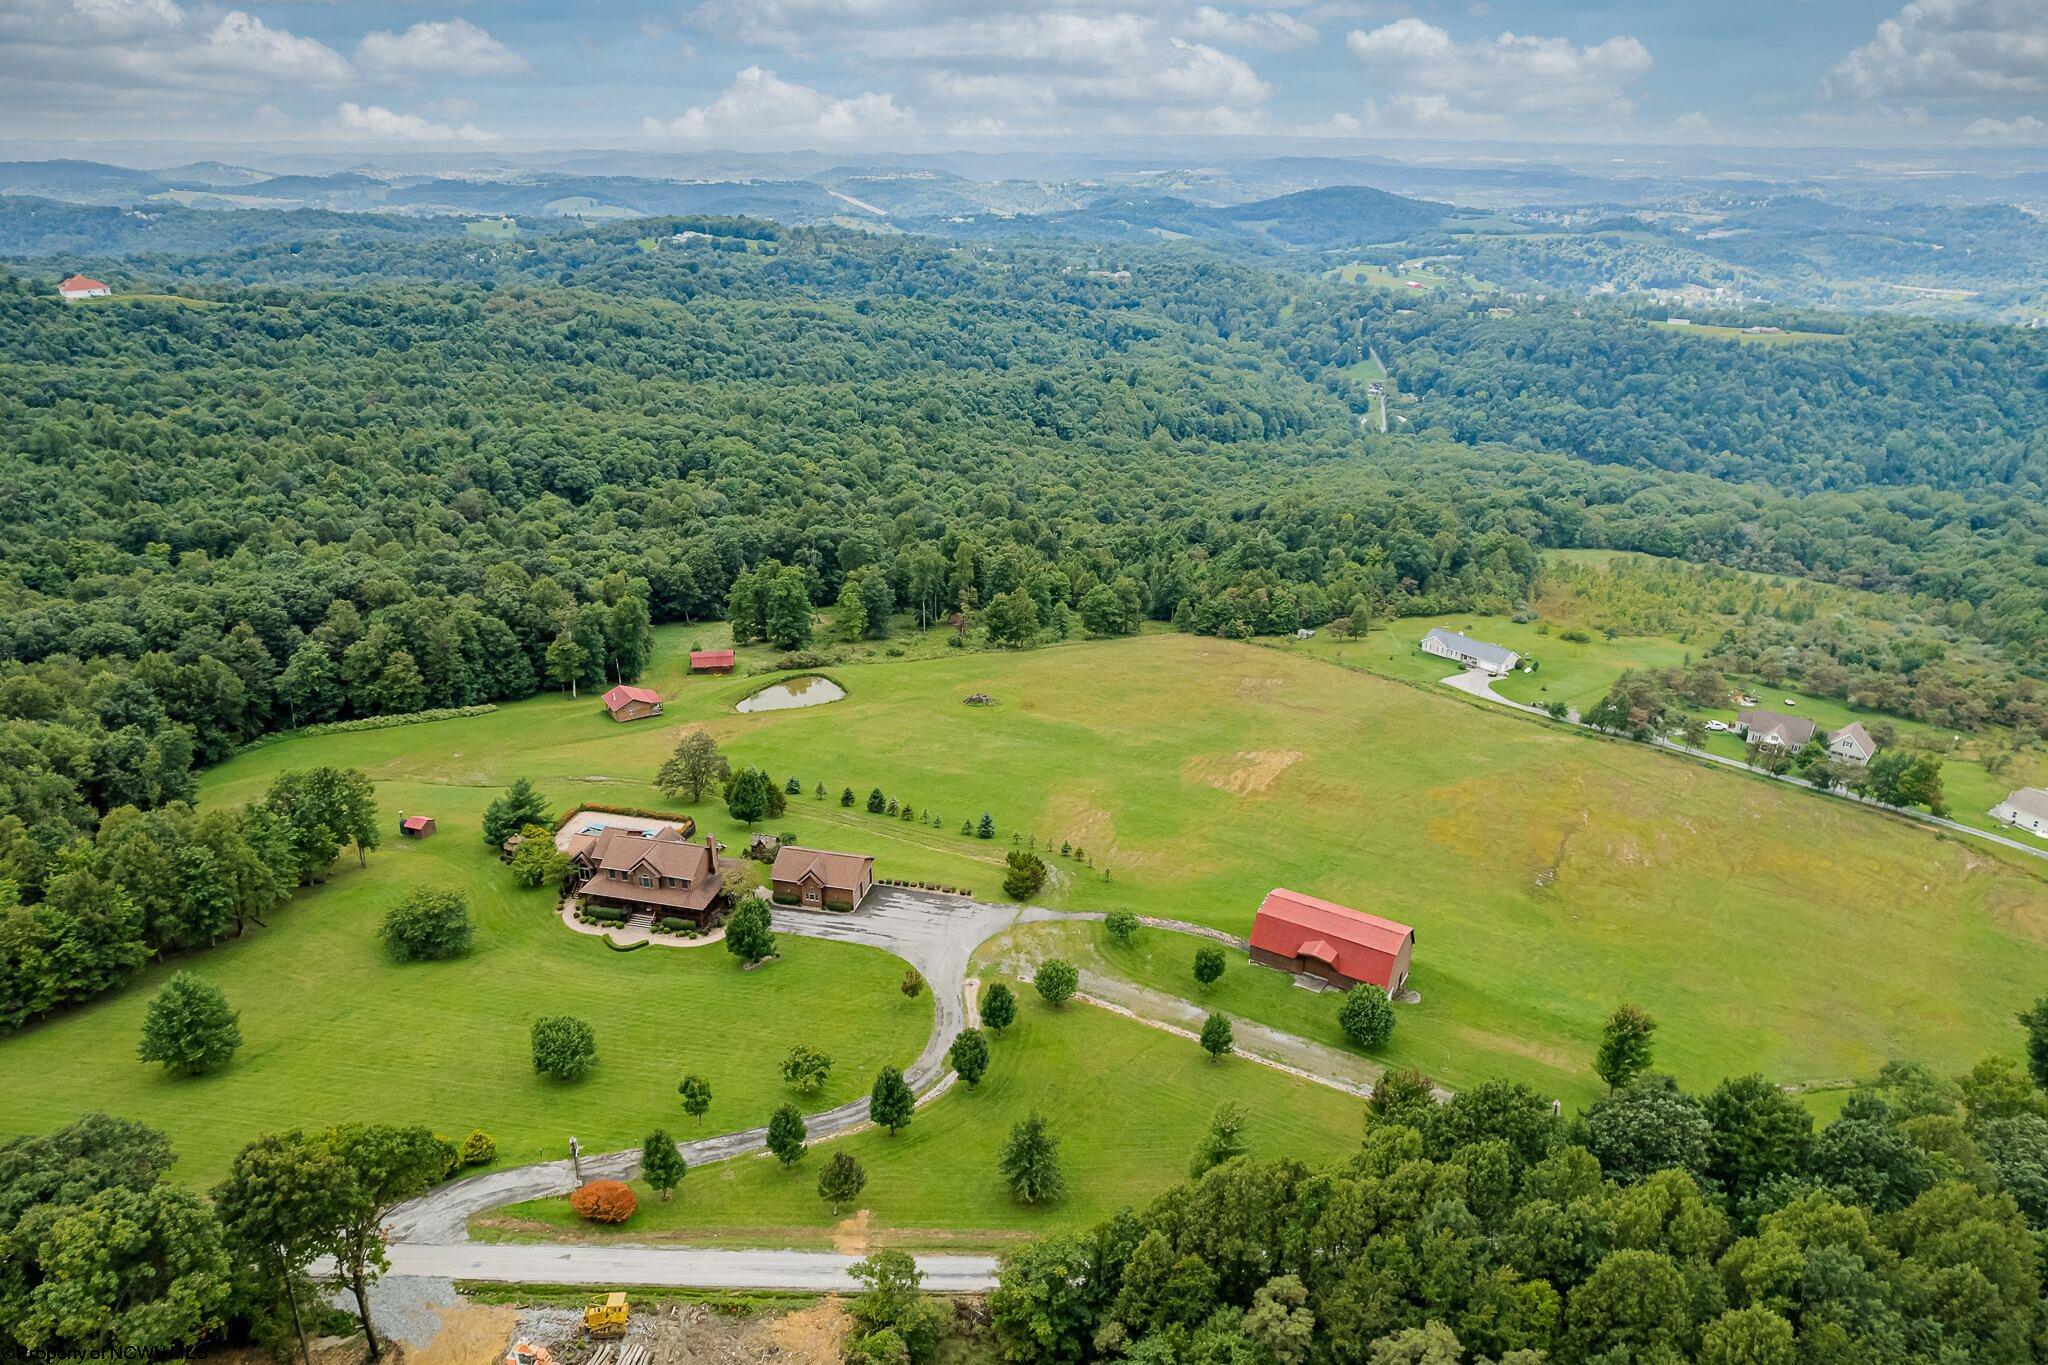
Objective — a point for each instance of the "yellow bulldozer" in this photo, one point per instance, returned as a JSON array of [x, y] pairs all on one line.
[[606, 1315]]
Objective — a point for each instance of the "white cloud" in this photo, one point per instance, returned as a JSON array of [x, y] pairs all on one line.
[[1182, 74], [241, 45], [1274, 29], [373, 120], [2026, 125], [446, 47], [1695, 126], [123, 18], [1946, 49], [760, 106], [1437, 83]]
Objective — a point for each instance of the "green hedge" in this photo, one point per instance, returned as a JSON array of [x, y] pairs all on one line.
[[345, 727], [683, 822]]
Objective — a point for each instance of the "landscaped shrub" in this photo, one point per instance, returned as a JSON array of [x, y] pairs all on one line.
[[619, 947], [599, 914], [1056, 981], [669, 924], [563, 1047], [427, 926], [604, 1201], [1366, 1016], [479, 1148]]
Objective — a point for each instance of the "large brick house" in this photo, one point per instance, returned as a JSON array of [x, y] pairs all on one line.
[[655, 872], [817, 880], [1342, 946]]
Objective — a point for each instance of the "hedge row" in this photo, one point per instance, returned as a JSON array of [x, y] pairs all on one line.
[[346, 727], [682, 822]]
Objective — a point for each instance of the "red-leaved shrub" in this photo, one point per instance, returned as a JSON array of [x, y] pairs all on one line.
[[604, 1201]]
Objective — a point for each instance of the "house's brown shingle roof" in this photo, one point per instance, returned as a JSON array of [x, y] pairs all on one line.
[[1791, 731], [833, 871], [665, 853]]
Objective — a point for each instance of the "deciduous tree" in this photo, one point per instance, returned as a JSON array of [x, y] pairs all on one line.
[[190, 1027], [661, 1163]]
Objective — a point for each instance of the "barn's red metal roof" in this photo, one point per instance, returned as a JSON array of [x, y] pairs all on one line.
[[1360, 946]]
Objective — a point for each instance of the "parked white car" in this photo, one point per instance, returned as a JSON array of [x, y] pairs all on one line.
[[1717, 725]]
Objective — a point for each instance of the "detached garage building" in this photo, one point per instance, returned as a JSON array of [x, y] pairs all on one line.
[[1301, 934]]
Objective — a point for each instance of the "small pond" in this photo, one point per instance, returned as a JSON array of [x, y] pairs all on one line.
[[792, 693]]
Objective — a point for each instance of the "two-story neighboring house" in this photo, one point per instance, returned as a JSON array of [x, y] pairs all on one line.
[[1852, 742], [655, 872], [2025, 809]]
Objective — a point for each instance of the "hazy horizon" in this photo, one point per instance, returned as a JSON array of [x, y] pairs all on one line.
[[922, 77]]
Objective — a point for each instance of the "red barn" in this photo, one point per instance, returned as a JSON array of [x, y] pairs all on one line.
[[1298, 933], [711, 661], [631, 703]]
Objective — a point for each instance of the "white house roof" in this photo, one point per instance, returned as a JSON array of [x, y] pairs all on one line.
[[1492, 656], [2029, 801]]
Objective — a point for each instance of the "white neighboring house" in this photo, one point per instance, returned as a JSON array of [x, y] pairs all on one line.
[[1448, 644], [1774, 728], [82, 287], [1852, 742], [2026, 808]]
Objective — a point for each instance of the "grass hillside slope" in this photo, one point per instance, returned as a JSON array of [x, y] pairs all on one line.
[[1549, 875]]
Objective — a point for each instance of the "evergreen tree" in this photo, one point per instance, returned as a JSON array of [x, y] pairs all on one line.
[[520, 806]]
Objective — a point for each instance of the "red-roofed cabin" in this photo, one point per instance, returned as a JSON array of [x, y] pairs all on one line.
[[1301, 934], [416, 826], [711, 661], [632, 703], [82, 287]]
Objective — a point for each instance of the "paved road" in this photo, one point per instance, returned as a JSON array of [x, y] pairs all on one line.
[[935, 933], [1478, 683], [692, 1266]]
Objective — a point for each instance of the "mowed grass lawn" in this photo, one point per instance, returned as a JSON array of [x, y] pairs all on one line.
[[333, 1030], [1549, 875], [1128, 1104]]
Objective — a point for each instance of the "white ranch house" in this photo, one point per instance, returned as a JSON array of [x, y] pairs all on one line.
[[1448, 644], [2025, 809]]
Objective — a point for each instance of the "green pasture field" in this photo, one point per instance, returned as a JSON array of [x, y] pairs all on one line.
[[1784, 338], [1550, 875], [1128, 1104]]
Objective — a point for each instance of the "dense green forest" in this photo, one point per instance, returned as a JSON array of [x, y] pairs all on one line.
[[1657, 1228], [1891, 402], [365, 474]]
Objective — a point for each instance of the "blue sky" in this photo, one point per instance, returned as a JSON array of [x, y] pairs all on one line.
[[929, 74]]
